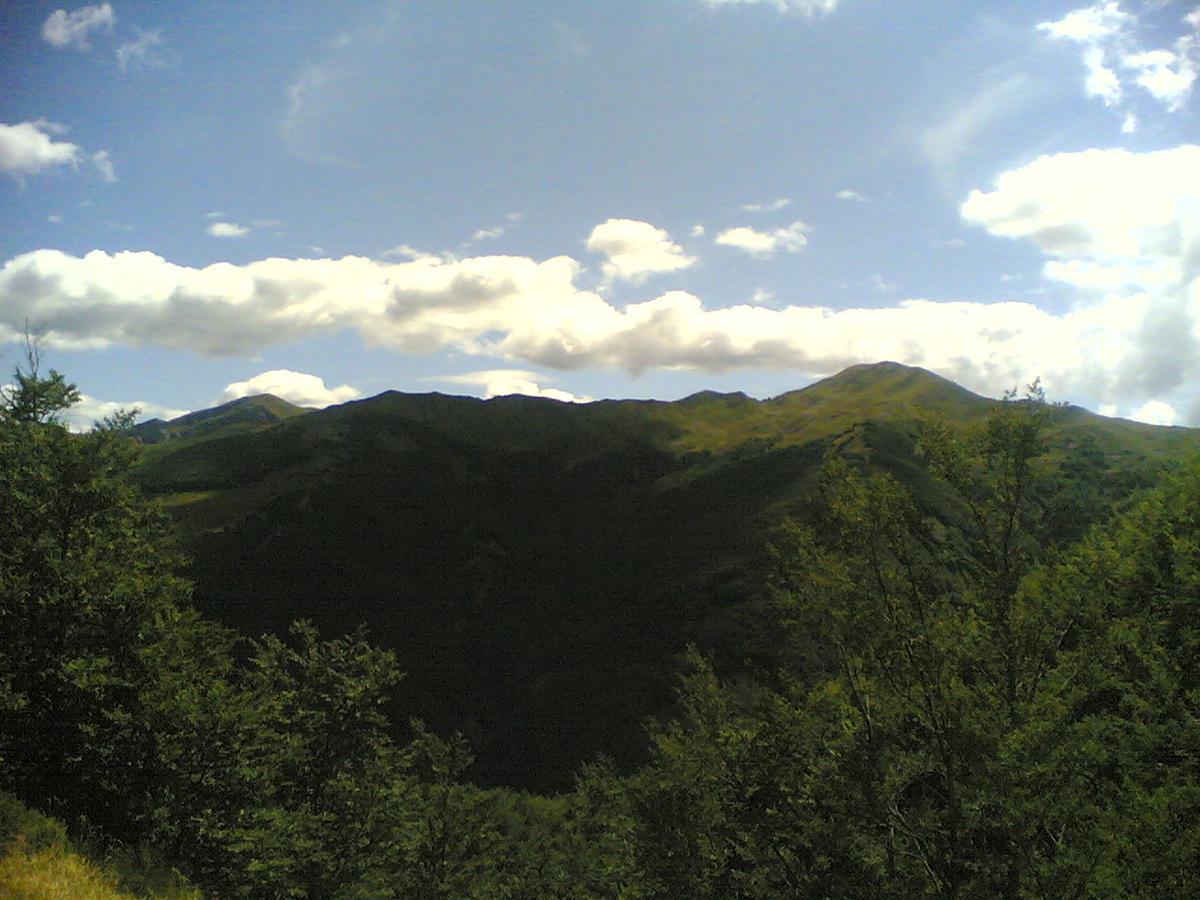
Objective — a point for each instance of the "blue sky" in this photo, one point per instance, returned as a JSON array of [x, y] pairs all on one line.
[[602, 199]]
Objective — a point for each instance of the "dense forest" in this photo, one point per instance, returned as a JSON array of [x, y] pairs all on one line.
[[917, 644]]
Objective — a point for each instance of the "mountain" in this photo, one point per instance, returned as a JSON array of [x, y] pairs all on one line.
[[245, 414], [539, 565]]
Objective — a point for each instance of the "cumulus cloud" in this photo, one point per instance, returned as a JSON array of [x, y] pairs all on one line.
[[1155, 412], [790, 239], [1115, 61], [1120, 232], [502, 382], [522, 309], [801, 7], [227, 230], [848, 194], [1124, 228], [27, 148], [64, 29], [299, 388], [636, 250]]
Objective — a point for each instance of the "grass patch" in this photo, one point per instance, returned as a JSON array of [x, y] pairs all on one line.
[[38, 861]]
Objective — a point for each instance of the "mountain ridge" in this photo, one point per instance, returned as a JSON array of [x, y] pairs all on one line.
[[538, 565]]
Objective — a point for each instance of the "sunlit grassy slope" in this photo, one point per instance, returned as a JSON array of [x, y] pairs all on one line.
[[39, 862], [245, 415], [537, 564]]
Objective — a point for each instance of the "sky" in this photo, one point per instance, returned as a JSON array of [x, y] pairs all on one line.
[[583, 200]]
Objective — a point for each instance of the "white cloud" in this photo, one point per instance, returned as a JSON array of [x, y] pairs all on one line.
[[299, 388], [1091, 23], [90, 410], [1166, 75], [790, 239], [143, 50], [1101, 81], [104, 166], [1099, 204], [1155, 412], [636, 250], [1123, 228], [698, 230], [521, 309], [227, 229], [848, 194], [1115, 60], [502, 382], [27, 148], [773, 206], [801, 7], [215, 214], [64, 29]]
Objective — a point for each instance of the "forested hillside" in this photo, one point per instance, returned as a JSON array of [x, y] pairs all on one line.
[[538, 566], [929, 678]]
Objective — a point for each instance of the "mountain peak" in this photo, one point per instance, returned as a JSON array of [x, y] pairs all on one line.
[[251, 413]]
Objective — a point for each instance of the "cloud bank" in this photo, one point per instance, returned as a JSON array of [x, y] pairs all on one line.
[[1124, 229], [1120, 232]]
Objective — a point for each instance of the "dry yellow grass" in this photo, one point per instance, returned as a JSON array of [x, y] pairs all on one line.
[[53, 874]]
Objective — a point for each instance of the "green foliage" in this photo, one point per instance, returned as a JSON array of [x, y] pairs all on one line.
[[938, 697], [992, 722], [85, 576]]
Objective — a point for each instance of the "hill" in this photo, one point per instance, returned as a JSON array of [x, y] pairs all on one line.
[[539, 565], [246, 414]]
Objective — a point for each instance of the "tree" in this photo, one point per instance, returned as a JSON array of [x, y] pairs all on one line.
[[86, 575], [33, 398], [915, 763]]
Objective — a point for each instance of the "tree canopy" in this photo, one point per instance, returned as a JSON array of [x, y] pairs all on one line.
[[963, 710]]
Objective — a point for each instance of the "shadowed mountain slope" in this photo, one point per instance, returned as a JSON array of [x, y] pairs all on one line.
[[538, 565]]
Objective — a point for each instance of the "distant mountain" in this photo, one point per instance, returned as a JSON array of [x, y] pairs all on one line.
[[242, 415], [538, 565]]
